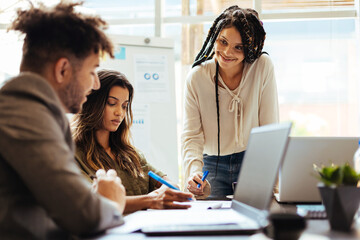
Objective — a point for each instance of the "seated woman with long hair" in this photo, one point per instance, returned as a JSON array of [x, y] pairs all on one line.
[[102, 138]]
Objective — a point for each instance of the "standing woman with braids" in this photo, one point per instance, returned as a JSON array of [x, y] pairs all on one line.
[[230, 90]]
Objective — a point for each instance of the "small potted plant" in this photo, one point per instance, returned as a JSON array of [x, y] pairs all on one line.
[[340, 194]]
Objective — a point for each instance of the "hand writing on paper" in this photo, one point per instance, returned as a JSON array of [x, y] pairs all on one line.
[[192, 184], [164, 197]]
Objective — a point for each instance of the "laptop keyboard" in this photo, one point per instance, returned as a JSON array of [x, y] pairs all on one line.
[[312, 211]]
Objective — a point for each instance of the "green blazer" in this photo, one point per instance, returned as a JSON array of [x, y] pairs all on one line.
[[133, 185]]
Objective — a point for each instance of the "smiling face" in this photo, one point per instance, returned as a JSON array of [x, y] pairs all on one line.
[[229, 49], [115, 108]]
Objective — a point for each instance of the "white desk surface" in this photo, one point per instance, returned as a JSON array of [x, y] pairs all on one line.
[[316, 230]]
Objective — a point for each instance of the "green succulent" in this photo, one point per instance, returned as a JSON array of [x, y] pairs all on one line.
[[338, 175]]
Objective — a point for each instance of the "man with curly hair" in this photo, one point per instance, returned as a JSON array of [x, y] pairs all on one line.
[[42, 192]]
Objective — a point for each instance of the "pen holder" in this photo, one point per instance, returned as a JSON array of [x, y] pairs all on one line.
[[341, 203]]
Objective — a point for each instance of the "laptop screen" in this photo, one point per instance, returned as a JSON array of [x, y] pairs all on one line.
[[263, 157], [302, 154]]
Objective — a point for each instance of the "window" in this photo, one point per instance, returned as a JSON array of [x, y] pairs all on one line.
[[201, 7], [316, 62], [314, 45], [317, 69], [113, 10], [11, 51], [306, 4]]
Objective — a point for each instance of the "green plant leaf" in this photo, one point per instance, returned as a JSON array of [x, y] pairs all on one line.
[[350, 177], [337, 175]]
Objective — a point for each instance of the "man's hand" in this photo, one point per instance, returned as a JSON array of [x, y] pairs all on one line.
[[108, 184]]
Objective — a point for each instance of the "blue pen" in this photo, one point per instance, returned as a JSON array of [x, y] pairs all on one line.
[[203, 177], [159, 179]]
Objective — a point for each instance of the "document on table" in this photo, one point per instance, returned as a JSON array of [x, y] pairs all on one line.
[[141, 219], [205, 204]]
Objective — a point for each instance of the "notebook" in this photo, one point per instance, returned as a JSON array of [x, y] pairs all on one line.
[[297, 178], [252, 197]]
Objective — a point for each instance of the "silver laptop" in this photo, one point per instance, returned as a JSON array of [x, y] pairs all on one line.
[[297, 179], [252, 197]]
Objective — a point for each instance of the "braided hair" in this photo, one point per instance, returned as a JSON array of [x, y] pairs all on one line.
[[252, 33]]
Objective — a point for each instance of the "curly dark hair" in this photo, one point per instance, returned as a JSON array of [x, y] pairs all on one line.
[[249, 26], [59, 31]]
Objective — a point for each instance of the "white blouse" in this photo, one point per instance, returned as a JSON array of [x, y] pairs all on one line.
[[253, 103]]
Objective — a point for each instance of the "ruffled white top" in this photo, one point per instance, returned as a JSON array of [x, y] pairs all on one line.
[[253, 103]]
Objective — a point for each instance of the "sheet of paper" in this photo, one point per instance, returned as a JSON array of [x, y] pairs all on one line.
[[140, 219], [201, 204], [151, 78]]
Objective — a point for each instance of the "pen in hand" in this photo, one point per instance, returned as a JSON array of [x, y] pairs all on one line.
[[203, 178], [161, 180]]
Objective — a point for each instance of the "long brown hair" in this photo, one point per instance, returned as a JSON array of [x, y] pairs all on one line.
[[90, 119]]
